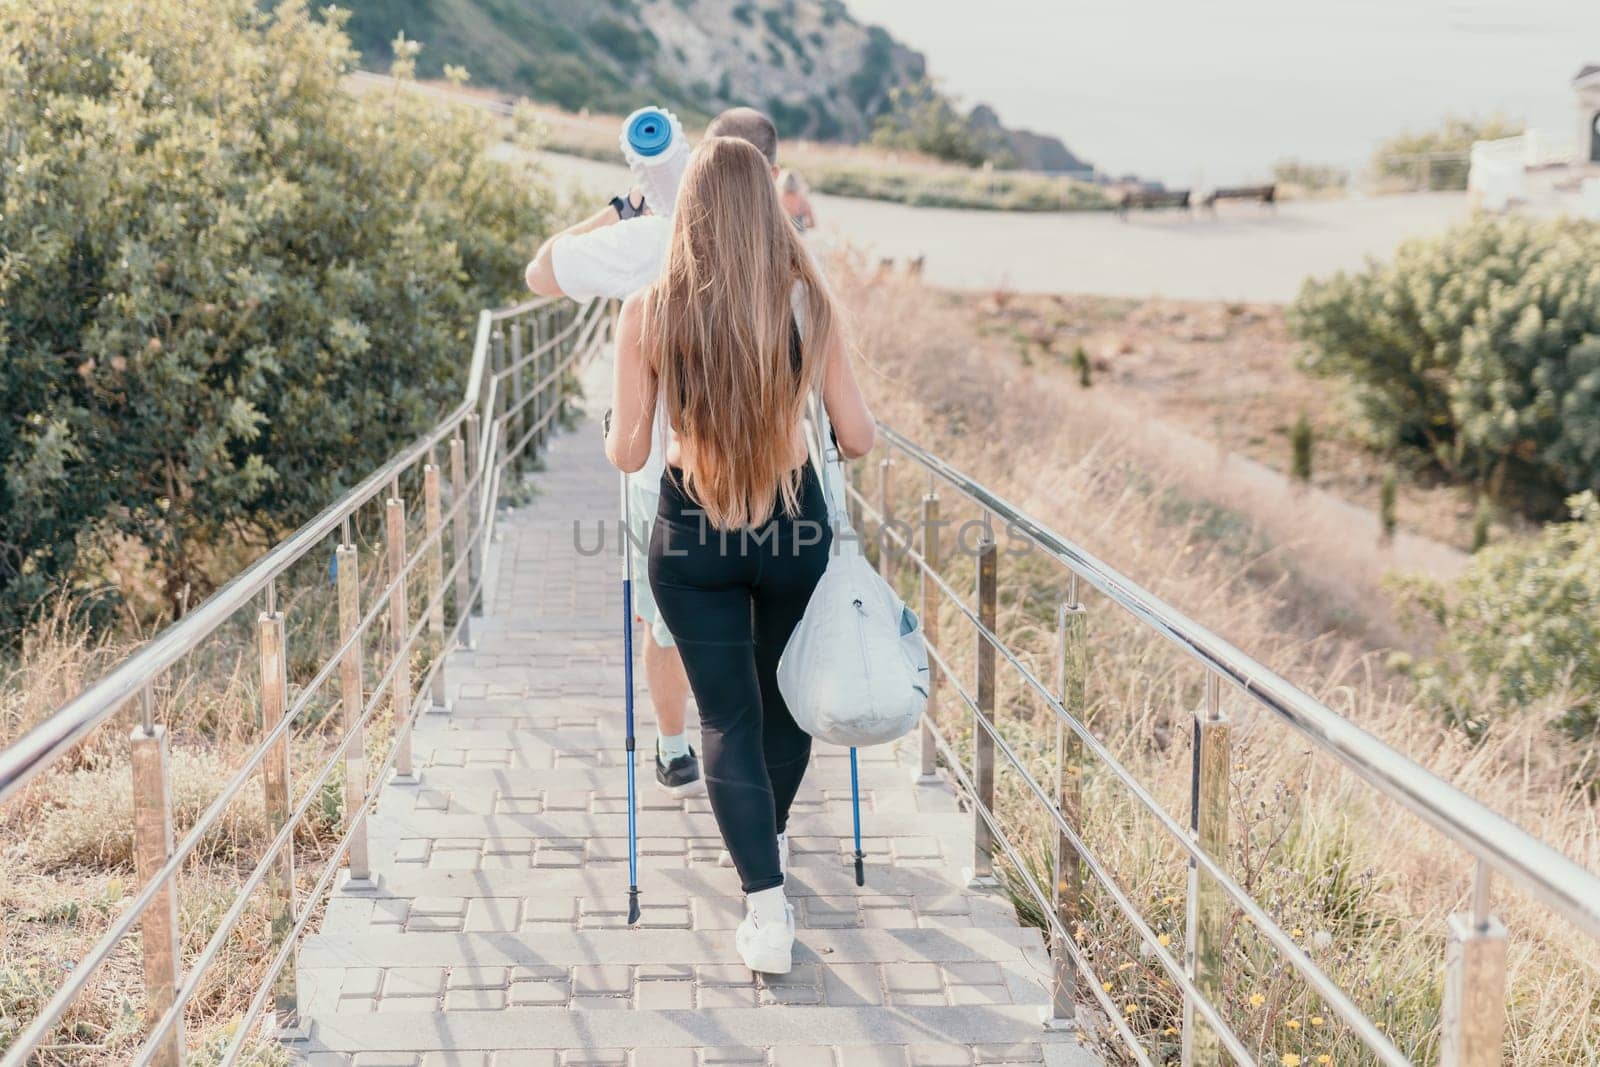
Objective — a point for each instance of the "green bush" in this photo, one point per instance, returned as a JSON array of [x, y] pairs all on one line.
[[1302, 439], [1482, 519], [227, 288], [623, 42], [1080, 361], [1398, 156], [1480, 349], [1520, 626], [1311, 177], [1388, 493], [958, 188], [920, 118]]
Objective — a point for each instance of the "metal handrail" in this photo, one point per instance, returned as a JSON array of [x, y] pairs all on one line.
[[40, 747], [1341, 1004], [538, 379], [1541, 871], [1471, 1033], [47, 742]]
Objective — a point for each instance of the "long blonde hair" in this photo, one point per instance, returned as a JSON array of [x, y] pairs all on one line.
[[717, 329]]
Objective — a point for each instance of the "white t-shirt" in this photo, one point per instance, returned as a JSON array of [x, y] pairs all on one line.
[[617, 261], [613, 261]]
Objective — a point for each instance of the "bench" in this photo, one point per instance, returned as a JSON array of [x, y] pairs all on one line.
[[1152, 198], [1266, 195]]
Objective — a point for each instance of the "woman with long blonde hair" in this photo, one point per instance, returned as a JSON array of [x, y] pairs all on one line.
[[735, 335]]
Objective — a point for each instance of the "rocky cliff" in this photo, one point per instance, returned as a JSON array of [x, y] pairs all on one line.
[[820, 73]]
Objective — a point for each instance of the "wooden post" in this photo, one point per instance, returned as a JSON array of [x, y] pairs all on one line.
[[1474, 984], [1206, 918], [982, 744], [275, 783], [433, 528], [928, 764], [399, 624], [152, 847], [1072, 673], [352, 691]]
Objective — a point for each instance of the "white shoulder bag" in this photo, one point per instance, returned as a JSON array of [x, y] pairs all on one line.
[[855, 671]]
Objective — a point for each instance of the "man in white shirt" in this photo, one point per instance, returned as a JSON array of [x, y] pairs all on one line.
[[614, 253]]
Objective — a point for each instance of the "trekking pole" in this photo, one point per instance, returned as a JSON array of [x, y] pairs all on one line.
[[855, 813], [627, 700]]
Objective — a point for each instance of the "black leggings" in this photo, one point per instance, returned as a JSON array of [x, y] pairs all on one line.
[[731, 600]]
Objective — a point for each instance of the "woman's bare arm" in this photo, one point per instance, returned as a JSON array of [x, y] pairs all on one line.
[[633, 393], [853, 423]]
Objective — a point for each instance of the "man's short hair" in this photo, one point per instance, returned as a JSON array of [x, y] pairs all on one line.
[[747, 124]]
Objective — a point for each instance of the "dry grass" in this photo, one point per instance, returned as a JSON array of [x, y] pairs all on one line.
[[1225, 376], [66, 840], [1366, 886]]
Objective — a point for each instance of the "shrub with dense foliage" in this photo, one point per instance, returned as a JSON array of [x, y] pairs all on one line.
[[922, 119], [1521, 626], [1480, 348], [1436, 159], [227, 287], [1307, 177]]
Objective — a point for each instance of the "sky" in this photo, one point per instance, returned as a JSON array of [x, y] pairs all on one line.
[[1199, 91]]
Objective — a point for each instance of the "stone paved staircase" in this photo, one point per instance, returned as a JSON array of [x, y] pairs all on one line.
[[496, 934]]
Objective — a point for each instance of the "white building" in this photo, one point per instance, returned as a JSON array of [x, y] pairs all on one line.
[[1540, 170], [1587, 86]]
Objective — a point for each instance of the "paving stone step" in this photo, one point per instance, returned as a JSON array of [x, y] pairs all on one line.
[[1019, 1054], [651, 987], [535, 754], [900, 827], [501, 907], [568, 947], [674, 884], [526, 799], [824, 773], [534, 735], [655, 853], [748, 1028]]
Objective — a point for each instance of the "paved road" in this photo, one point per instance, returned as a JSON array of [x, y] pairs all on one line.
[[1244, 252], [496, 934]]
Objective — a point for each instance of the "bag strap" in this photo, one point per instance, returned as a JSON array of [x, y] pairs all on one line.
[[824, 454], [825, 459]]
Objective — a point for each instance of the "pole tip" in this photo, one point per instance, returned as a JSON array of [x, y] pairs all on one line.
[[861, 870], [633, 904]]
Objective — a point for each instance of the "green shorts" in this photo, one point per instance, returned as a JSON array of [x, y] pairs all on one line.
[[643, 502]]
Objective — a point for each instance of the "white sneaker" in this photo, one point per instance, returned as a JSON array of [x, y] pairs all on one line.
[[768, 949], [725, 858]]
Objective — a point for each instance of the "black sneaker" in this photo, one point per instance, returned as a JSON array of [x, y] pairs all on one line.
[[679, 776]]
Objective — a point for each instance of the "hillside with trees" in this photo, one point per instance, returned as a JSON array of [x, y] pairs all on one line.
[[820, 73]]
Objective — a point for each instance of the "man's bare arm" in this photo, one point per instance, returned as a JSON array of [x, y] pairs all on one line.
[[541, 275]]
